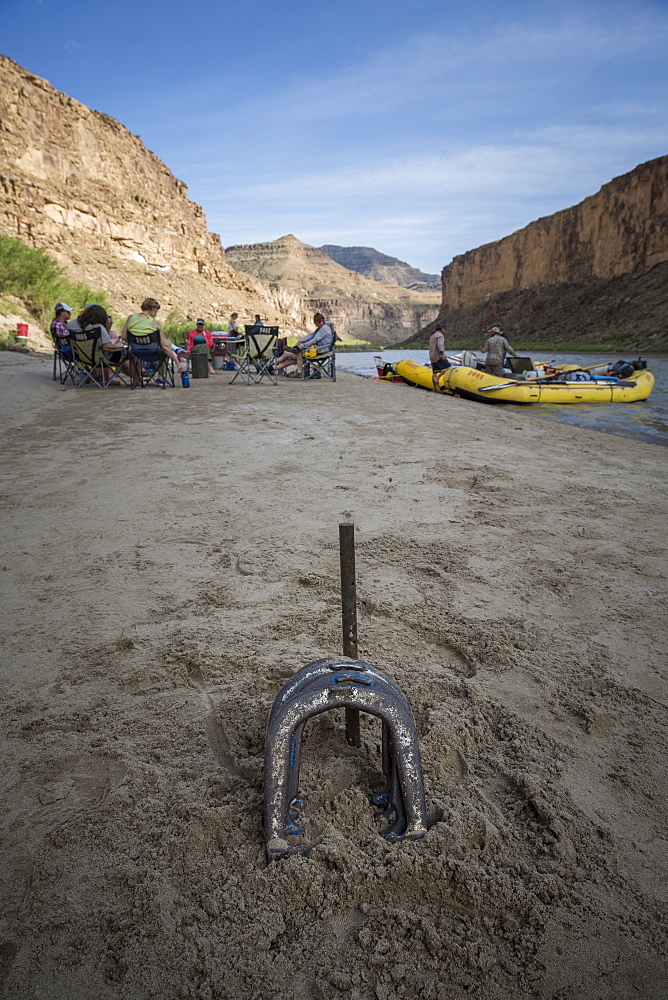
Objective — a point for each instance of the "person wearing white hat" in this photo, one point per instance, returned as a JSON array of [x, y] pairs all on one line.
[[58, 327], [496, 347]]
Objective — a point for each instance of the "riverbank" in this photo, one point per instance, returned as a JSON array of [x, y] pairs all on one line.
[[626, 313], [171, 558], [612, 346], [646, 420]]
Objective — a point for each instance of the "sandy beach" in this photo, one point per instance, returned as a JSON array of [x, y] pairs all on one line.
[[170, 559]]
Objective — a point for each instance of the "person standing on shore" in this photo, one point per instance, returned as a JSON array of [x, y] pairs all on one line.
[[496, 347], [437, 356], [233, 326]]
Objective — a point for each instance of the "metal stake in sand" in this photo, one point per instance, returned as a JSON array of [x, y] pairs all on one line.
[[349, 616]]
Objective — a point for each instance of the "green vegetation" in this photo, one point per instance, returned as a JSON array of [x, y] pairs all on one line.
[[6, 339], [39, 282], [176, 328], [360, 345]]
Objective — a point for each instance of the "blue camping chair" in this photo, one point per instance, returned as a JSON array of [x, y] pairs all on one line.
[[155, 367]]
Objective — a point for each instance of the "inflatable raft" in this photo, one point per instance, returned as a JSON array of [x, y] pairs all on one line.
[[471, 383]]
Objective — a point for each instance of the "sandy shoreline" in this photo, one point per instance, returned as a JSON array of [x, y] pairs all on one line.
[[170, 558]]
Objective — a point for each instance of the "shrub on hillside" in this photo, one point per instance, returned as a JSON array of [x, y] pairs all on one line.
[[35, 278], [176, 327]]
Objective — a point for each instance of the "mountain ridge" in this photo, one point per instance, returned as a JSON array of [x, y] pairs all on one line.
[[381, 267], [363, 309]]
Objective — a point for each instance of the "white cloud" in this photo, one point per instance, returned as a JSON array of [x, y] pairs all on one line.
[[539, 160], [436, 65], [445, 141], [438, 206]]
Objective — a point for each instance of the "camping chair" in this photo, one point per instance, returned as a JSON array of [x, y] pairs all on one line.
[[64, 365], [90, 361], [155, 368], [256, 359], [319, 366]]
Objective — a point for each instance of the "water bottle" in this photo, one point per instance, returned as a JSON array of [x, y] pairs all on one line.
[[185, 381]]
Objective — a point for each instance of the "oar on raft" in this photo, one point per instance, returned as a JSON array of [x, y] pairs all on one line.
[[535, 381]]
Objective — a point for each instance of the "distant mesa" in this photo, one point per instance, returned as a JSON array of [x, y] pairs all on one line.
[[380, 267], [76, 183], [364, 309]]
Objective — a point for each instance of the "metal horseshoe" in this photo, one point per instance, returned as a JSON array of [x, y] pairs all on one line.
[[319, 687]]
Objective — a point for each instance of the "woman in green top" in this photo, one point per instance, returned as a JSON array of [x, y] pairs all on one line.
[[144, 323]]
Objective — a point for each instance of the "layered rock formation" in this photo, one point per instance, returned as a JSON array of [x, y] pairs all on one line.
[[595, 273], [380, 267], [78, 184], [623, 229], [362, 308]]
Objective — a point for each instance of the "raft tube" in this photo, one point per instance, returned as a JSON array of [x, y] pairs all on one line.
[[467, 382]]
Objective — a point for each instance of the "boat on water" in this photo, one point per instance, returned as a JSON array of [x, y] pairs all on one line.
[[625, 382]]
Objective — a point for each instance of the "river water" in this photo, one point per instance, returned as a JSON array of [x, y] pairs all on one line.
[[647, 420]]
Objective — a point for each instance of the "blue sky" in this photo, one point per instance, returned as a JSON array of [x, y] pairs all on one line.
[[423, 129]]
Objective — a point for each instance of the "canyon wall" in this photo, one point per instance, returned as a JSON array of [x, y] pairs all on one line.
[[78, 184], [592, 275], [623, 229], [362, 308]]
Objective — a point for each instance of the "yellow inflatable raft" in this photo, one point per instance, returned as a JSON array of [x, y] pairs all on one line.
[[473, 384]]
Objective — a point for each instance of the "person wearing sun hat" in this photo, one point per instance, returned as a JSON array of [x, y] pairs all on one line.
[[58, 327], [201, 336], [437, 356], [496, 347]]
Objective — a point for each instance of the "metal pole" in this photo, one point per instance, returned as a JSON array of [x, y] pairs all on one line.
[[349, 616]]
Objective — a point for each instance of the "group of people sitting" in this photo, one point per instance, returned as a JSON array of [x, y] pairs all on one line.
[[113, 346], [95, 321], [321, 340]]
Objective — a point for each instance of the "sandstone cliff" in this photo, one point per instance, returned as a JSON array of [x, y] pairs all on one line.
[[382, 267], [77, 183], [627, 312], [623, 229], [596, 272], [362, 308]]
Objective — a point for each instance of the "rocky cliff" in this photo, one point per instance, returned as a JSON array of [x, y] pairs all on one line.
[[362, 308], [78, 184], [594, 273], [623, 229], [381, 267]]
